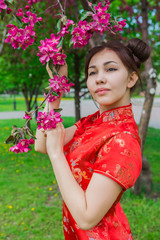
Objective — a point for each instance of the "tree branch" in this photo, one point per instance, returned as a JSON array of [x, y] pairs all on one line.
[[86, 5], [3, 41]]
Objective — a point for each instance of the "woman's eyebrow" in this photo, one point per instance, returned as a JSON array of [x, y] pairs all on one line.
[[106, 63]]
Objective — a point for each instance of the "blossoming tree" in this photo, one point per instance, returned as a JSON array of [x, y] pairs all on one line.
[[98, 20]]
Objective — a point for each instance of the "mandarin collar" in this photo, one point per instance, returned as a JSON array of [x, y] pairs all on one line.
[[114, 114]]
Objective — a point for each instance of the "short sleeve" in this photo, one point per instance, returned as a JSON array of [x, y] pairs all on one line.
[[120, 159]]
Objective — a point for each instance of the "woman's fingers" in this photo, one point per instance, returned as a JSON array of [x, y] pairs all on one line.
[[59, 127]]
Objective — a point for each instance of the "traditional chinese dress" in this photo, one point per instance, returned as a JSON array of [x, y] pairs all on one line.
[[107, 144]]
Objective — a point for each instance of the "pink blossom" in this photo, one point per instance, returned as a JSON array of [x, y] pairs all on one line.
[[31, 2], [2, 5], [30, 31], [60, 85], [27, 7], [19, 37], [54, 41], [84, 25], [64, 29], [31, 19], [120, 26], [52, 98], [48, 48], [22, 146], [59, 59], [20, 12], [104, 18], [101, 9], [101, 18], [55, 83], [80, 37], [27, 117], [63, 32], [65, 85], [9, 10], [48, 121], [31, 141]]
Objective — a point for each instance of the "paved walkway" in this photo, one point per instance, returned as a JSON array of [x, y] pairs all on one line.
[[88, 107]]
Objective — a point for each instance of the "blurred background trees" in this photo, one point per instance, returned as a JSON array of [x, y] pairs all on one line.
[[22, 72]]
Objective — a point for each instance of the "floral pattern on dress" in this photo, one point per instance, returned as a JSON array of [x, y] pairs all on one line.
[[107, 144]]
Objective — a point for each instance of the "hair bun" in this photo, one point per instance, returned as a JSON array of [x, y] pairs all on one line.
[[140, 50]]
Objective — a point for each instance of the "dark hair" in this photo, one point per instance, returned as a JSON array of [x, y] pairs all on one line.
[[132, 55]]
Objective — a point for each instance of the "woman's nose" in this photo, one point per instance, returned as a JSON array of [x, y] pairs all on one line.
[[101, 79]]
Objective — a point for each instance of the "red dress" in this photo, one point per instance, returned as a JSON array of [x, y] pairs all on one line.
[[107, 144]]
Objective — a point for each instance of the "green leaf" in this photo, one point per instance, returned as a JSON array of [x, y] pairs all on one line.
[[70, 43], [10, 139], [60, 43], [58, 110], [55, 94], [18, 20], [84, 15], [48, 88], [59, 25], [34, 138], [2, 14], [70, 29], [28, 113], [9, 1]]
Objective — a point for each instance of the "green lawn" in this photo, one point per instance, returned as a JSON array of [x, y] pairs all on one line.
[[30, 203], [7, 102]]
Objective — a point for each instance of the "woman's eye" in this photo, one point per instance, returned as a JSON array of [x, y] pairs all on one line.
[[92, 73], [111, 69]]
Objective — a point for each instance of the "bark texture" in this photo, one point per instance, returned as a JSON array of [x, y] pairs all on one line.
[[145, 179], [77, 86]]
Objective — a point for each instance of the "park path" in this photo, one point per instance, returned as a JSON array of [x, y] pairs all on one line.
[[88, 107]]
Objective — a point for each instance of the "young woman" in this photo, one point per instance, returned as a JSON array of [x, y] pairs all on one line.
[[99, 158]]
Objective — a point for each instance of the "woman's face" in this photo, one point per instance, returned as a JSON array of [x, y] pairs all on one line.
[[108, 80]]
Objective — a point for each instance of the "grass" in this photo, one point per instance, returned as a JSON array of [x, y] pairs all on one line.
[[7, 102], [31, 205]]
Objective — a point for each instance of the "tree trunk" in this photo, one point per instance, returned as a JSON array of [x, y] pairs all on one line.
[[146, 179], [77, 86], [25, 93]]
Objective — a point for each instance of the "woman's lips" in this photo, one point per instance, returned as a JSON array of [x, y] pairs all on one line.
[[102, 91]]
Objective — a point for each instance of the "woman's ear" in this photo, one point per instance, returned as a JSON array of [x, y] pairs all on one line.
[[133, 78]]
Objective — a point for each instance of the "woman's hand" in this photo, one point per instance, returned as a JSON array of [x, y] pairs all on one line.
[[55, 140]]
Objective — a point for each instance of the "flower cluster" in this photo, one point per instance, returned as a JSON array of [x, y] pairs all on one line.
[[81, 34], [49, 51], [2, 5], [65, 29], [47, 121], [84, 31], [23, 37], [31, 2], [101, 18], [22, 146], [19, 37], [98, 20], [120, 25], [31, 18], [58, 85], [27, 117]]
